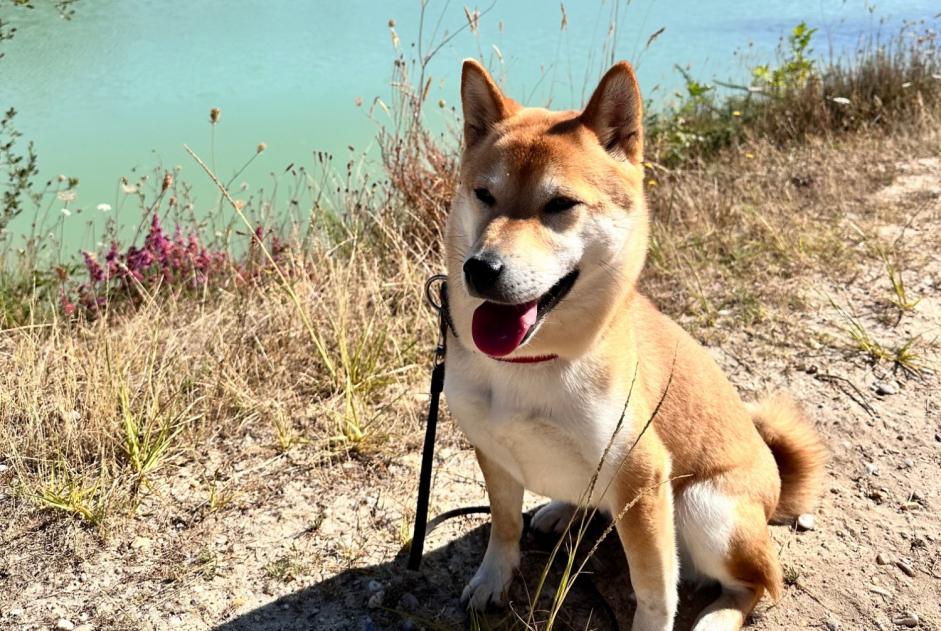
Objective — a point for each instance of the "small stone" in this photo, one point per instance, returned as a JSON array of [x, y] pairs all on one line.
[[908, 619], [872, 469], [142, 543], [375, 601], [832, 625], [65, 625], [875, 589], [885, 388], [907, 569], [408, 602], [806, 522], [884, 558], [175, 621], [3, 468], [374, 586]]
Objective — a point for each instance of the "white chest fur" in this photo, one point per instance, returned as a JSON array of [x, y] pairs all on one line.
[[546, 424]]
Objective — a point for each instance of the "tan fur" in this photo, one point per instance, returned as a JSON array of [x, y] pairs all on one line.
[[703, 433], [644, 524]]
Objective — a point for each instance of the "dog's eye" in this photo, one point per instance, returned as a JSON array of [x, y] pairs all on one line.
[[559, 204], [485, 196]]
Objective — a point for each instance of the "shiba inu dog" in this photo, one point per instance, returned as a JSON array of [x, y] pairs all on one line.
[[558, 364]]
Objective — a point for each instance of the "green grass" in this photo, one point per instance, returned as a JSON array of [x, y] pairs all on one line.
[[900, 297], [903, 356], [286, 568], [61, 490]]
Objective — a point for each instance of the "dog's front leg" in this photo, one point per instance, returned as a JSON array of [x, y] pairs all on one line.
[[649, 539], [503, 550]]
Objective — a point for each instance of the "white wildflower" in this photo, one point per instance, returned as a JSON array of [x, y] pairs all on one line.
[[66, 196], [66, 212], [840, 100], [104, 207]]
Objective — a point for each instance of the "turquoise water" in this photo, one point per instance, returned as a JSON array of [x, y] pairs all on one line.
[[124, 84]]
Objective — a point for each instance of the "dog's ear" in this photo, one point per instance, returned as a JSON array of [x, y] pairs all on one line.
[[615, 113], [483, 103]]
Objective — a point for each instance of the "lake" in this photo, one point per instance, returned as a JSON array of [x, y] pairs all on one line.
[[124, 84]]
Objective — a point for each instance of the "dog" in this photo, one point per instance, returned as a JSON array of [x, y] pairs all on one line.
[[565, 378]]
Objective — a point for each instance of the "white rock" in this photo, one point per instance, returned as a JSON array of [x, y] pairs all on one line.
[[806, 522], [885, 388], [375, 601], [65, 625]]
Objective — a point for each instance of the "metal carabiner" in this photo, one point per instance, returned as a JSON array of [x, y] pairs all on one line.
[[439, 306]]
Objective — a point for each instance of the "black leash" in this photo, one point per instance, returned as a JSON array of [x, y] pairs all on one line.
[[422, 527]]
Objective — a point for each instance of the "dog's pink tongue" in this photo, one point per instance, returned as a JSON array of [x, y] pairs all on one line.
[[499, 329]]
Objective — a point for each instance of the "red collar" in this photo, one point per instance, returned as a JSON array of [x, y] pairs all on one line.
[[527, 360]]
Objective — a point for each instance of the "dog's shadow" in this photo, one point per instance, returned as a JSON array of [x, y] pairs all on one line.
[[388, 596]]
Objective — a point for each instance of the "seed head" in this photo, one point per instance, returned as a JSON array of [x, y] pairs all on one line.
[[214, 115]]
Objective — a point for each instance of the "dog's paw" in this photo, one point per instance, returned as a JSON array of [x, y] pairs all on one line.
[[553, 518], [488, 587]]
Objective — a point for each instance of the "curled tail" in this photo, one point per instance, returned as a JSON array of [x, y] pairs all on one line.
[[798, 451]]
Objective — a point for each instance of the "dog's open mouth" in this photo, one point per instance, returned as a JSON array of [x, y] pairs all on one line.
[[500, 329]]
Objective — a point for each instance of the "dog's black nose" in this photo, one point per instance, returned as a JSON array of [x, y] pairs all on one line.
[[482, 271]]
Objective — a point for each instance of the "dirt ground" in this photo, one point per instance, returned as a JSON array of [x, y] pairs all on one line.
[[291, 542]]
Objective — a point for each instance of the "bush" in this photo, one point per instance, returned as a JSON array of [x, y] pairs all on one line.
[[881, 85]]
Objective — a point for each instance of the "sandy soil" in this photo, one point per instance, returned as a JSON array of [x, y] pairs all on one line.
[[293, 542]]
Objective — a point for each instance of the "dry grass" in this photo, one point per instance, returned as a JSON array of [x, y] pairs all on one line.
[[732, 237], [91, 413]]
